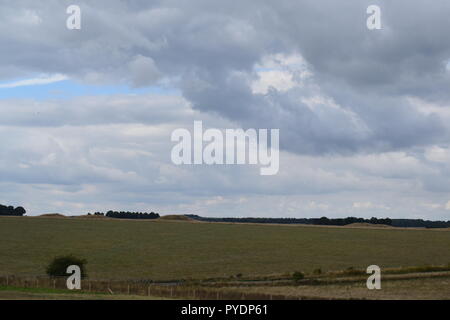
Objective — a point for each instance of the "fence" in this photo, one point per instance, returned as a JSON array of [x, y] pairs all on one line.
[[174, 291]]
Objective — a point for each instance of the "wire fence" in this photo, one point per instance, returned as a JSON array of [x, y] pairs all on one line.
[[140, 288]]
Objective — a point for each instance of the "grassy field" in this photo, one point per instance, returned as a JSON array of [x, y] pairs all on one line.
[[12, 293], [413, 289], [164, 250]]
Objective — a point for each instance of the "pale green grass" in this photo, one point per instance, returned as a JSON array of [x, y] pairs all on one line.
[[412, 289], [11, 293], [124, 249]]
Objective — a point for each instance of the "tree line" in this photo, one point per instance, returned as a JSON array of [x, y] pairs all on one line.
[[11, 211], [407, 223], [311, 221], [128, 215]]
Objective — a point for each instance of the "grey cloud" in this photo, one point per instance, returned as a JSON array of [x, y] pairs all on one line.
[[209, 51], [144, 72], [92, 110]]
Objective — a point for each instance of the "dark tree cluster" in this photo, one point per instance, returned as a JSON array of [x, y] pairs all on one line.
[[11, 211], [349, 220], [405, 223], [419, 223], [128, 215], [58, 266], [313, 221]]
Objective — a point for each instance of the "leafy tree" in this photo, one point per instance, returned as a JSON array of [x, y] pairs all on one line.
[[20, 211], [297, 276], [11, 211], [58, 266], [131, 215]]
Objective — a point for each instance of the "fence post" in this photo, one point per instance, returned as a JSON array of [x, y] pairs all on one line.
[[54, 283], [128, 289], [7, 281]]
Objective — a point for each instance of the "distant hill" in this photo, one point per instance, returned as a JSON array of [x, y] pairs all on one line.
[[178, 217], [90, 216], [53, 215], [367, 225]]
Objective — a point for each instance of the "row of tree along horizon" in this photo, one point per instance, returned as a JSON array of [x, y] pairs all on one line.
[[20, 211], [127, 215], [11, 211], [405, 223]]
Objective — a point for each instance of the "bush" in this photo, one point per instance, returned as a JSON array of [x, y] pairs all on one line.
[[297, 276], [317, 271], [11, 211], [58, 266], [351, 271]]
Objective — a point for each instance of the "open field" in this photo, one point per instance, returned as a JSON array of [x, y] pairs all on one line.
[[417, 286], [412, 289], [164, 249], [12, 293]]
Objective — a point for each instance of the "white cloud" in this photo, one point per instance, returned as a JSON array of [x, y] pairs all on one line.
[[46, 79], [438, 154], [28, 17], [278, 79], [362, 205], [320, 206], [369, 205], [281, 72], [435, 206]]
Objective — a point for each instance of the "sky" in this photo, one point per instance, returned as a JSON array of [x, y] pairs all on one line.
[[86, 116]]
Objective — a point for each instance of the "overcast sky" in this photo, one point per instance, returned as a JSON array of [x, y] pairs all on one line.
[[86, 115]]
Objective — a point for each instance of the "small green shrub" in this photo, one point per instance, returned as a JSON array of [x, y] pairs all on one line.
[[317, 271], [351, 271], [58, 266], [297, 276]]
